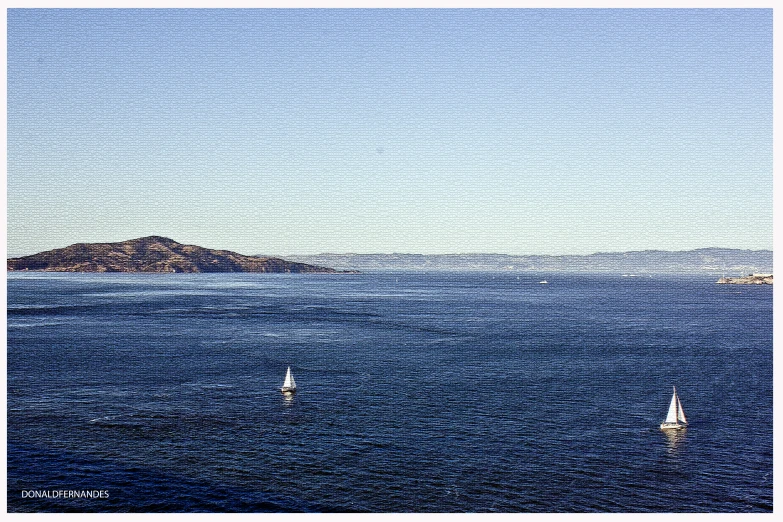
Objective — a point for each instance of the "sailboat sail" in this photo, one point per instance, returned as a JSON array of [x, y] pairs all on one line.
[[675, 419], [680, 413], [290, 383], [671, 417]]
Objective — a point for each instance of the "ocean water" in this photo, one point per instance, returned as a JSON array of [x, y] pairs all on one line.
[[418, 392]]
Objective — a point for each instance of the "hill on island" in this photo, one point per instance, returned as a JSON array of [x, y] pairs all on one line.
[[153, 254]]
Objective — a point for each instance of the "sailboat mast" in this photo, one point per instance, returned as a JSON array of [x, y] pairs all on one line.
[[677, 404]]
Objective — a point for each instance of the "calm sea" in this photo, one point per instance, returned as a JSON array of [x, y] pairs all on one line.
[[418, 392]]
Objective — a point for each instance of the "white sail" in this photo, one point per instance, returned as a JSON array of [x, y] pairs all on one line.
[[671, 417], [289, 383], [680, 413]]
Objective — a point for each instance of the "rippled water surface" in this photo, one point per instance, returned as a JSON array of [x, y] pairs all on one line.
[[439, 392]]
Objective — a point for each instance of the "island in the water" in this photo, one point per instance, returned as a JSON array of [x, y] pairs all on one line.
[[153, 254], [752, 279]]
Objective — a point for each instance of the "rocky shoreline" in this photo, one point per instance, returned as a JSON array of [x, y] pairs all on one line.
[[752, 279]]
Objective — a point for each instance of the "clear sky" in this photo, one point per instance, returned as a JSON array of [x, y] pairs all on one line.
[[422, 131]]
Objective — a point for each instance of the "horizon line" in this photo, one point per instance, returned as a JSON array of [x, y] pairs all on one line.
[[477, 253], [471, 253]]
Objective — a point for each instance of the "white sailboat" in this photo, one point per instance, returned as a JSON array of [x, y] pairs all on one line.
[[675, 419], [289, 385]]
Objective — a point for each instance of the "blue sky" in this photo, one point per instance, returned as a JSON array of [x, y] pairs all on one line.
[[424, 131]]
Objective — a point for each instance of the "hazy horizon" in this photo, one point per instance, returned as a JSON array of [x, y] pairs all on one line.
[[283, 255], [518, 255], [510, 131]]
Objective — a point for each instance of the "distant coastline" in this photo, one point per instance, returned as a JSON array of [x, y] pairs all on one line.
[[158, 254], [712, 261]]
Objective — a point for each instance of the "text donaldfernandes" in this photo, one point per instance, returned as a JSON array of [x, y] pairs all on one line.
[[59, 493]]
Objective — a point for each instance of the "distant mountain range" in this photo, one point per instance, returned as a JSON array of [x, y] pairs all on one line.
[[160, 254], [719, 261], [153, 254]]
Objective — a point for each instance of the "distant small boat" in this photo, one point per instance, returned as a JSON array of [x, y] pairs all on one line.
[[544, 282], [289, 386], [675, 419]]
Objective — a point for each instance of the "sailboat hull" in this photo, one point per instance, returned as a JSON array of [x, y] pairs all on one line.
[[672, 426], [288, 390]]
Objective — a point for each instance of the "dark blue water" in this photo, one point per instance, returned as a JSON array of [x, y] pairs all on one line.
[[439, 392]]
